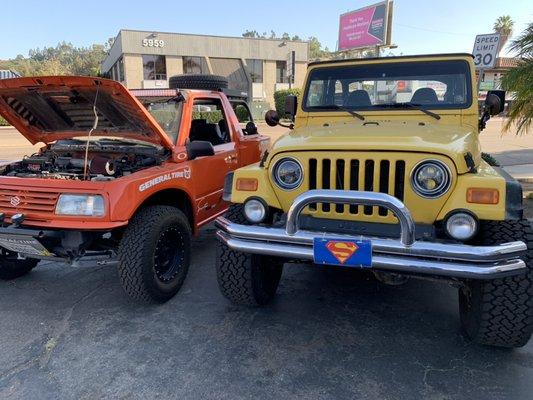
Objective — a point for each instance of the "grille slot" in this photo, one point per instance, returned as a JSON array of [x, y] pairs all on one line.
[[27, 202], [312, 180], [326, 181], [373, 175]]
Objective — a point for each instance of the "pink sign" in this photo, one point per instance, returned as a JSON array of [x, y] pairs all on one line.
[[363, 28]]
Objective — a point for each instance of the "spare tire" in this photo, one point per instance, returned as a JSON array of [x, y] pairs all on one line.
[[198, 81]]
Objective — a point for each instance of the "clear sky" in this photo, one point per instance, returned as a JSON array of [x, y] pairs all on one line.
[[427, 26]]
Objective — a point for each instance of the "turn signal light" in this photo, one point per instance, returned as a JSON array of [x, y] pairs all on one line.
[[247, 184], [483, 196]]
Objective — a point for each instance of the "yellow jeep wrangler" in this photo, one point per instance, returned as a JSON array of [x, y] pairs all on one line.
[[382, 169]]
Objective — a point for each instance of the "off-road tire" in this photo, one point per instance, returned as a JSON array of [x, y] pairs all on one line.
[[246, 279], [11, 268], [500, 312], [198, 81], [143, 242]]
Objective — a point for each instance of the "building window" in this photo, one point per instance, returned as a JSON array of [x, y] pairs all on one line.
[[233, 69], [281, 72], [255, 69], [195, 65], [120, 65], [154, 68]]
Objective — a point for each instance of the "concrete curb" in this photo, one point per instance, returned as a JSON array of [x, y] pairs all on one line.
[[6, 127]]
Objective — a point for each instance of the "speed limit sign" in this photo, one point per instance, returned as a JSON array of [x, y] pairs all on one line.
[[486, 50]]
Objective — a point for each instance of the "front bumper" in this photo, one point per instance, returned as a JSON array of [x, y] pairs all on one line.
[[44, 244], [405, 255]]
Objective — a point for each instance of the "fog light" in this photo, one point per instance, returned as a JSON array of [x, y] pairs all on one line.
[[255, 211], [461, 226]]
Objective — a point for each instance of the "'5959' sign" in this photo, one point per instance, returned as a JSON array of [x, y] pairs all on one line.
[[153, 43]]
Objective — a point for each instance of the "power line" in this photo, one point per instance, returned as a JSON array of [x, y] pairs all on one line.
[[432, 30]]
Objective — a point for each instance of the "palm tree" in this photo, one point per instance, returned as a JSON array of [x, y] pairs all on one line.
[[520, 81], [503, 26]]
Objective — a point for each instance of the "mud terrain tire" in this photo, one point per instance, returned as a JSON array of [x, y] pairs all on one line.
[[154, 254], [246, 279], [500, 312]]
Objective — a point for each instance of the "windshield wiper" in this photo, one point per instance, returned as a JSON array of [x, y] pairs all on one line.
[[412, 106], [337, 107]]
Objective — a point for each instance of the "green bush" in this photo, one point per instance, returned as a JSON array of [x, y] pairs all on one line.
[[212, 117], [242, 113], [279, 99], [3, 122]]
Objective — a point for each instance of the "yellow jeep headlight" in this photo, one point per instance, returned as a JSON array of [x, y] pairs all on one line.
[[288, 173], [431, 179]]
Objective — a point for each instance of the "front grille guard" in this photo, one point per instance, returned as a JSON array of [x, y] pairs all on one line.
[[403, 255]]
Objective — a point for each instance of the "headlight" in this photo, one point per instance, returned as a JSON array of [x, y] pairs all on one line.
[[461, 226], [431, 179], [255, 211], [81, 204], [288, 173]]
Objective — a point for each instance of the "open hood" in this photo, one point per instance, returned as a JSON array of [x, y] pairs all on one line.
[[46, 109]]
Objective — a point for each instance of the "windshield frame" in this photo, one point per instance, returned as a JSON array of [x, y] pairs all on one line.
[[377, 107]]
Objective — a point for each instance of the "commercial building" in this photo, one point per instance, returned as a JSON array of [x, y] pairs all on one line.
[[146, 60], [491, 78]]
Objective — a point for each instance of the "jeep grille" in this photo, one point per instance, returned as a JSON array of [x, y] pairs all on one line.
[[371, 175]]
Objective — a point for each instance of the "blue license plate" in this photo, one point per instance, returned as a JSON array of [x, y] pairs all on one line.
[[349, 253]]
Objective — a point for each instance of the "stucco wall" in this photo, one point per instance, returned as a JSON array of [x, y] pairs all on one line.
[[133, 71]]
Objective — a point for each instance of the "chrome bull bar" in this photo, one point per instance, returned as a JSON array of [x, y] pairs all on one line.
[[405, 255]]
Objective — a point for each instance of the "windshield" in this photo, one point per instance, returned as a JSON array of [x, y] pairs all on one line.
[[434, 85], [168, 116]]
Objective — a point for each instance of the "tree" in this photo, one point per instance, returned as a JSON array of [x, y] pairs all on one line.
[[315, 49], [504, 26], [251, 34], [520, 81], [63, 59]]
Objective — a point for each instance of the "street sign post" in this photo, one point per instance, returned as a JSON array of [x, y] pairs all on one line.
[[486, 50], [485, 53]]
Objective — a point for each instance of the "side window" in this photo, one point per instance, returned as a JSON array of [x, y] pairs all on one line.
[[209, 122], [246, 120], [243, 114]]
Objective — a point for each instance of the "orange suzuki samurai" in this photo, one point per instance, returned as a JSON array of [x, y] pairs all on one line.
[[117, 176]]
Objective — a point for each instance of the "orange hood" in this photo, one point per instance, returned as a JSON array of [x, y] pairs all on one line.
[[46, 109]]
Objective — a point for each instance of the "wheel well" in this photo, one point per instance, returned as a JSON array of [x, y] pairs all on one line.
[[175, 198]]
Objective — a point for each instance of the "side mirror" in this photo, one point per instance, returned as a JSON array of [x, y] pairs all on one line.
[[199, 149], [291, 105], [495, 101], [272, 118], [250, 129]]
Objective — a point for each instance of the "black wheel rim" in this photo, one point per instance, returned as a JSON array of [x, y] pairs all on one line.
[[168, 255]]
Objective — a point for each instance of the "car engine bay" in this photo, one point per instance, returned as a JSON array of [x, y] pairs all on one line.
[[107, 159]]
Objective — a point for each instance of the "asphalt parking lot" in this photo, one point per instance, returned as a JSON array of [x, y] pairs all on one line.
[[70, 332]]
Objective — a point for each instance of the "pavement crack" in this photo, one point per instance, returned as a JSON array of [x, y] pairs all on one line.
[[42, 359], [428, 369]]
